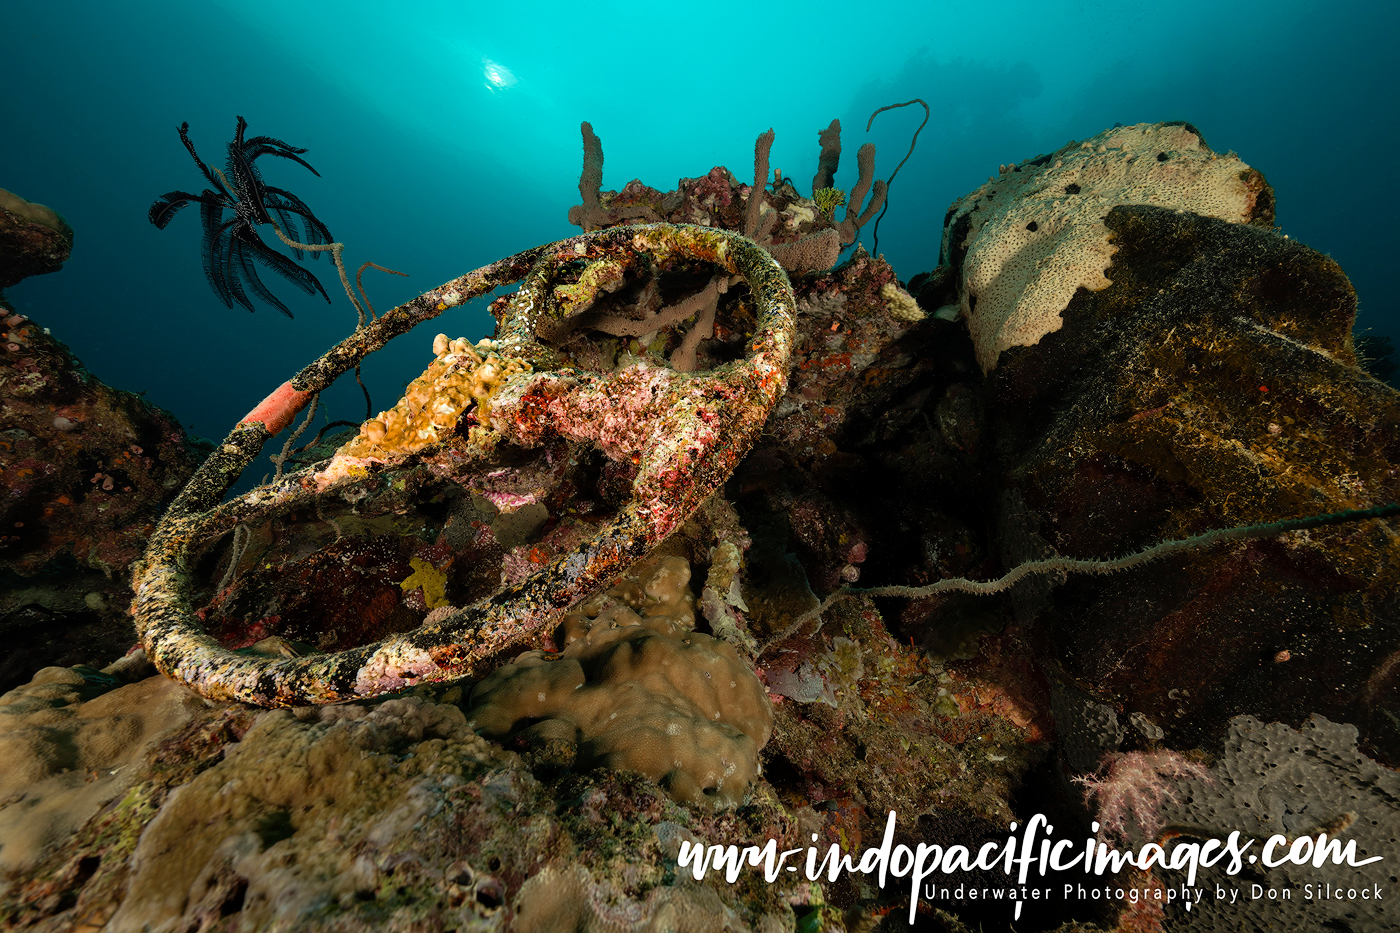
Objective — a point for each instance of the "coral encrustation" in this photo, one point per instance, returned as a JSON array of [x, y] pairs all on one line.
[[697, 427]]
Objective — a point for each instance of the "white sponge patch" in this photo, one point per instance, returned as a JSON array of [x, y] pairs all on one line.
[[1036, 232]]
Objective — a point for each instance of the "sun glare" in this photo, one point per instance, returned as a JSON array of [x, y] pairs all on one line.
[[498, 77]]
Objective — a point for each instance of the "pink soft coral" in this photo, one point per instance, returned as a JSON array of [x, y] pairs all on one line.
[[1134, 786]]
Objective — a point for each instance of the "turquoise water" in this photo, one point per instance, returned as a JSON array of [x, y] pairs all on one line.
[[446, 136]]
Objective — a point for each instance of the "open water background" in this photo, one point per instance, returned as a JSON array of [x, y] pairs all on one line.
[[446, 136]]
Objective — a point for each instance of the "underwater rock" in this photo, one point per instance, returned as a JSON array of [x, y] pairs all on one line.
[[34, 240], [849, 454], [567, 898], [70, 616], [1212, 384], [866, 725], [72, 740], [856, 355], [86, 469], [359, 776], [386, 814]]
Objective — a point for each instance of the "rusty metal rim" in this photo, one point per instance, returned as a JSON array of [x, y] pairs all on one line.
[[453, 646]]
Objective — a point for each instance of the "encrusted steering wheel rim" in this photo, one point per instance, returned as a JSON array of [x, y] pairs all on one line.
[[677, 470]]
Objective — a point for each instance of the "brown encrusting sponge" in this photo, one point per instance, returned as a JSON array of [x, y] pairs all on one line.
[[635, 689]]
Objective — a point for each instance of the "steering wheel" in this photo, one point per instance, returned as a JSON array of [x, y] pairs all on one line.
[[684, 432]]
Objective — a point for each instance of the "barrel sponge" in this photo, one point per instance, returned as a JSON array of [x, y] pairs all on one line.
[[635, 689], [1035, 234]]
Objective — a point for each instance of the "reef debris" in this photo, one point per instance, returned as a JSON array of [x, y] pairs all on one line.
[[683, 434]]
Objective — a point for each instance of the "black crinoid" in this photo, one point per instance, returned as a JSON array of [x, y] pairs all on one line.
[[232, 248]]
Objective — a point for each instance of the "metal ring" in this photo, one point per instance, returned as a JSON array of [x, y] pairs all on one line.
[[680, 467]]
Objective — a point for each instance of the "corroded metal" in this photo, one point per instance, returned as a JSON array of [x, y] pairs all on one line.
[[686, 432]]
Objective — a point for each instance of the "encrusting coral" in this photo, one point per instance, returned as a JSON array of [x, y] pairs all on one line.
[[636, 688], [385, 814], [69, 741]]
